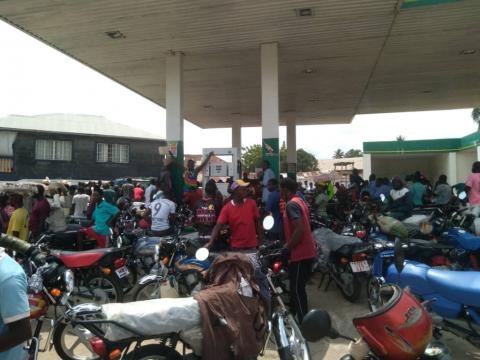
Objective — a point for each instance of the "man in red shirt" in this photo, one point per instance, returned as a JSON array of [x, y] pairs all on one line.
[[242, 216], [39, 213], [299, 245]]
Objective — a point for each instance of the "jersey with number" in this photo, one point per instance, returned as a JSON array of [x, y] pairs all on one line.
[[161, 210]]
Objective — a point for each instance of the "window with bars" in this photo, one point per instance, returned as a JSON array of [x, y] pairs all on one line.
[[6, 165], [53, 150], [115, 153]]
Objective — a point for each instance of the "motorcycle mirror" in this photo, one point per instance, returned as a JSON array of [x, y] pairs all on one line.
[[202, 254], [462, 195], [399, 255], [268, 222], [382, 198], [316, 325]]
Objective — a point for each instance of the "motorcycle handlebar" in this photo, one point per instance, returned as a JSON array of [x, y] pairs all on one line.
[[275, 244]]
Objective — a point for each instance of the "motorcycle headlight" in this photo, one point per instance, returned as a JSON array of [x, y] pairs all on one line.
[[69, 280]]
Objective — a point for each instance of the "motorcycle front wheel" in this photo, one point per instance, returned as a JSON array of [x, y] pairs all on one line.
[[298, 346], [148, 291]]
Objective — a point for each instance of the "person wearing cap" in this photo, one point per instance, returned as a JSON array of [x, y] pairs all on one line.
[[241, 214], [300, 247]]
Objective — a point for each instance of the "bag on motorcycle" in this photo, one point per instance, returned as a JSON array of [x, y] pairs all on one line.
[[233, 324], [151, 317], [392, 226]]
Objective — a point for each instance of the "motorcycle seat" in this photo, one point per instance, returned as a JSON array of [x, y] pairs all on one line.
[[78, 259], [459, 286]]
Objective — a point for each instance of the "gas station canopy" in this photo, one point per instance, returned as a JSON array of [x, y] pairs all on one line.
[[336, 58]]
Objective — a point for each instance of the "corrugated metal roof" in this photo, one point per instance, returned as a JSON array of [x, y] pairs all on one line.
[[74, 124]]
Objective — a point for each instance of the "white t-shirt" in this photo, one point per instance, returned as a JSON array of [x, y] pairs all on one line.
[[161, 210], [149, 191], [80, 201], [268, 174]]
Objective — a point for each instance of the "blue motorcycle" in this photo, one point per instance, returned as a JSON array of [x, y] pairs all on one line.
[[175, 264], [453, 296]]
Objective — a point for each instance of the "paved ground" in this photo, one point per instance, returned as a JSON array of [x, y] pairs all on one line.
[[342, 313]]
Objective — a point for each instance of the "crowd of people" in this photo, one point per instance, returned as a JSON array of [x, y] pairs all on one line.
[[241, 211]]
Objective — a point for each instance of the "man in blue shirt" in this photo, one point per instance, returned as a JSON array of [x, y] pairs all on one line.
[[267, 175], [14, 310], [273, 207]]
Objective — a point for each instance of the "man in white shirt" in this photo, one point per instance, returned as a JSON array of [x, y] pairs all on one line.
[[268, 174], [149, 192], [160, 210], [80, 203]]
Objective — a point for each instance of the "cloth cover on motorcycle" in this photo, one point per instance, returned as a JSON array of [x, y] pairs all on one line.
[[392, 226], [328, 241], [233, 325], [151, 317]]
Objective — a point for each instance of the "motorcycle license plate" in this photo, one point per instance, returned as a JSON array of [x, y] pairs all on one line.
[[360, 266], [122, 272]]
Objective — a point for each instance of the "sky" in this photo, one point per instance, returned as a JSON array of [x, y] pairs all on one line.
[[37, 79]]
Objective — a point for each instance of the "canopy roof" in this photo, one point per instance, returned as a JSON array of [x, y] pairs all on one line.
[[342, 58]]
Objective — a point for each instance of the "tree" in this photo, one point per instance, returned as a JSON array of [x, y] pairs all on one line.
[[306, 161], [400, 138], [338, 154], [353, 153], [252, 157], [476, 117]]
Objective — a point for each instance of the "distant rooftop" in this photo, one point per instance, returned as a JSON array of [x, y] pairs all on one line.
[[74, 124]]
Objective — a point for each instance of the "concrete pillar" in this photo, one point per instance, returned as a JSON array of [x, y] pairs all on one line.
[[478, 153], [367, 165], [237, 136], [174, 118], [292, 149], [270, 111], [452, 168]]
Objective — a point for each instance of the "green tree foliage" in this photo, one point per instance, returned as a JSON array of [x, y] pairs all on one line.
[[476, 117], [306, 161], [400, 138], [353, 153], [338, 154], [252, 157]]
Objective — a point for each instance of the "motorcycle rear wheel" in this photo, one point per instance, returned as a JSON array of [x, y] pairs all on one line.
[[154, 352], [350, 290], [72, 343]]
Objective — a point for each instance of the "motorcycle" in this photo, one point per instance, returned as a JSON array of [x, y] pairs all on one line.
[[452, 296], [115, 331], [98, 272], [400, 329], [176, 264]]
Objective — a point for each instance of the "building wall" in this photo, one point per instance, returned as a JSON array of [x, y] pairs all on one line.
[[145, 160]]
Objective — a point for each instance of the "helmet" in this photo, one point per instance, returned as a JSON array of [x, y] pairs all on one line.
[[123, 203], [400, 329]]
